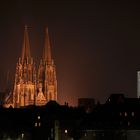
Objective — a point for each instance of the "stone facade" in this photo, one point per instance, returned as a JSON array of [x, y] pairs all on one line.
[[33, 87]]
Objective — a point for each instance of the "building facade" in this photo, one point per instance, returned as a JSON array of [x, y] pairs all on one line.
[[138, 84], [33, 86]]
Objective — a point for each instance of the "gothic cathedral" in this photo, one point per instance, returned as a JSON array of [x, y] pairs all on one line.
[[33, 87]]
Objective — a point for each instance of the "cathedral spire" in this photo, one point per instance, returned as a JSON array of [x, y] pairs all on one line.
[[47, 49], [26, 46]]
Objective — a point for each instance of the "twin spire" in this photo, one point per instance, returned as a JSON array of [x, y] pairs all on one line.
[[47, 49], [26, 47]]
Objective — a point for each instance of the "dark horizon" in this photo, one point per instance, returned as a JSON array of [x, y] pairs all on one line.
[[95, 45]]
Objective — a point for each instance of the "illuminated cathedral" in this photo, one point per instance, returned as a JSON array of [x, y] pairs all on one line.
[[33, 86]]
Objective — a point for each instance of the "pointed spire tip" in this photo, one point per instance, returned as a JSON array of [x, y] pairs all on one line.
[[26, 45]]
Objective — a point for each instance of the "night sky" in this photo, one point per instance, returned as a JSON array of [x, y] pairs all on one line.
[[95, 44]]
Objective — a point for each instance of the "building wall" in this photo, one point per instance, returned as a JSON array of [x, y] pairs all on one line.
[[138, 84], [102, 135], [133, 134]]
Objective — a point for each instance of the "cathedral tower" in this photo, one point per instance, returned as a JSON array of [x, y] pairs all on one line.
[[31, 88], [47, 72], [25, 77]]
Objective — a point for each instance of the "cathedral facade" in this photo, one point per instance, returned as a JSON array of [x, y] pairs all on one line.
[[33, 86]]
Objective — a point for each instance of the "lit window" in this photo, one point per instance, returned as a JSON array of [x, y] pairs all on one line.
[[22, 135], [38, 117], [39, 124], [35, 124], [125, 114], [133, 114], [66, 131]]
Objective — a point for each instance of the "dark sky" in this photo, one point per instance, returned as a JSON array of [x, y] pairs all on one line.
[[96, 44]]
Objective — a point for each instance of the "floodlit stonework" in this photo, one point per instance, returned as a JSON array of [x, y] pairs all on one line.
[[33, 87]]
